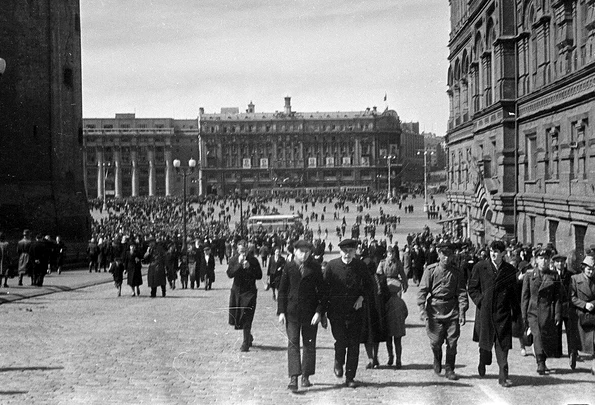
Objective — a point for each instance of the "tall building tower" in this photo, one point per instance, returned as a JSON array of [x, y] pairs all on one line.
[[41, 137]]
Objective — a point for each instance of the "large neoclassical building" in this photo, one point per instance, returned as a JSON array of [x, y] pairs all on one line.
[[521, 149], [248, 152]]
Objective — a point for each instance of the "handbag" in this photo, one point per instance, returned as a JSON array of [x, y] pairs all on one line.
[[587, 319]]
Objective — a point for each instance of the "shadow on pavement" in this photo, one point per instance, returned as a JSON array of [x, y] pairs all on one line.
[[270, 348], [13, 392], [389, 384], [535, 381], [42, 368]]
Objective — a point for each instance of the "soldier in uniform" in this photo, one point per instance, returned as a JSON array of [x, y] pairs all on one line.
[[442, 300], [347, 282]]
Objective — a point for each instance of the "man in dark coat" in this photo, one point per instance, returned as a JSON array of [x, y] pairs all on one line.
[[156, 275], [541, 306], [40, 256], [245, 269], [301, 305], [492, 289], [348, 283], [207, 267]]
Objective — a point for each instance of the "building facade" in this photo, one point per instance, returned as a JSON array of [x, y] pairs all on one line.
[[521, 85], [247, 152], [41, 135]]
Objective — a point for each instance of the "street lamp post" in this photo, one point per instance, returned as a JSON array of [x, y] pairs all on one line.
[[425, 153], [389, 159], [184, 172], [106, 167]]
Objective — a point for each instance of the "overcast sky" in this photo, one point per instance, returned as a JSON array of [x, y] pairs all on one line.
[[167, 58]]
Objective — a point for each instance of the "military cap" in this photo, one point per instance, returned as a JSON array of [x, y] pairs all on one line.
[[445, 246], [558, 257], [589, 261], [303, 244], [348, 244], [543, 252]]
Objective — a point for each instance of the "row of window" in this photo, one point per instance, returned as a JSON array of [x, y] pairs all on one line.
[[264, 128]]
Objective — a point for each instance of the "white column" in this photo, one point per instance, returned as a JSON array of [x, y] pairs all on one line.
[[134, 173], [151, 154], [117, 174], [168, 172], [100, 174]]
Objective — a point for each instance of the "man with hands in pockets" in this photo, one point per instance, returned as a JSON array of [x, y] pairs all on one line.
[[301, 305]]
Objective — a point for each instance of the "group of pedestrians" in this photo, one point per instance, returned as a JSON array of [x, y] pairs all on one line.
[[34, 257]]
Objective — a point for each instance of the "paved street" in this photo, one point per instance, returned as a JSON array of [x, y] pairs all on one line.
[[87, 346]]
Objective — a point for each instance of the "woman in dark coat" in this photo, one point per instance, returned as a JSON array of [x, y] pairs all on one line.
[[156, 276], [396, 309], [245, 269], [275, 269], [133, 267], [374, 330], [582, 299], [541, 306], [171, 265]]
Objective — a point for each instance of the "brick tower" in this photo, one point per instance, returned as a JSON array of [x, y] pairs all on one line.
[[41, 144]]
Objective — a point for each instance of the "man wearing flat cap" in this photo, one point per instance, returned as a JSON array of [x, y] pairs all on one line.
[[492, 289], [347, 282], [301, 305], [443, 301]]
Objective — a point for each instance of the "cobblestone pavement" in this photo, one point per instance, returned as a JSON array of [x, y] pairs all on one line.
[[87, 346]]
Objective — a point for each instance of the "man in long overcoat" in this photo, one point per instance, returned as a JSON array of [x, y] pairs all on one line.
[[301, 305], [156, 275], [541, 306], [492, 289], [245, 269], [348, 283]]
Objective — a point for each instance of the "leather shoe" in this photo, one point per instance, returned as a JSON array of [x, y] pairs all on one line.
[[338, 370], [390, 361], [245, 348], [437, 367], [481, 369], [572, 360], [350, 384], [369, 366], [451, 375], [306, 381], [505, 383], [293, 384]]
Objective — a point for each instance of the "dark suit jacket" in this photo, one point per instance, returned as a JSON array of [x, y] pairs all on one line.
[[300, 297]]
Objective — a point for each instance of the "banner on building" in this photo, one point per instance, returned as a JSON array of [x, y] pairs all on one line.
[[394, 149], [246, 163], [312, 162], [264, 163], [383, 152], [330, 162], [347, 161], [365, 161]]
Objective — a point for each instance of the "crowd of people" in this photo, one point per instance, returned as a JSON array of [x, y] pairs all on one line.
[[531, 293]]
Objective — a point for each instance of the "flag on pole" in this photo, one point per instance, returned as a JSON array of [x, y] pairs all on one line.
[[385, 96]]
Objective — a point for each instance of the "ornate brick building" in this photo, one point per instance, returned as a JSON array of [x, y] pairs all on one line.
[[520, 143], [41, 136], [243, 152]]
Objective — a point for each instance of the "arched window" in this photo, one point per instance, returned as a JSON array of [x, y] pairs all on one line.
[[477, 80], [487, 62]]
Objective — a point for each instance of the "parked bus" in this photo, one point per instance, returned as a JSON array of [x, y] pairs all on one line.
[[274, 223]]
